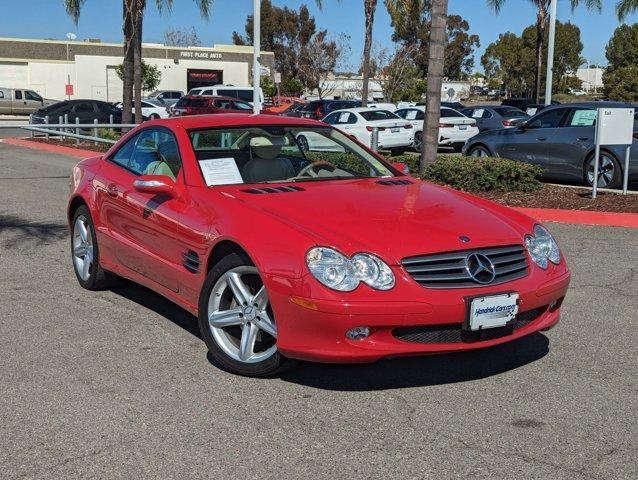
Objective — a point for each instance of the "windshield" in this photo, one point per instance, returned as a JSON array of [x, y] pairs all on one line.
[[274, 154], [511, 112]]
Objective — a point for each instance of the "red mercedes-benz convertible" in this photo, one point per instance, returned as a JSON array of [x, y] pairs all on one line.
[[321, 251]]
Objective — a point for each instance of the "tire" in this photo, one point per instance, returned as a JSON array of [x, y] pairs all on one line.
[[84, 249], [478, 151], [609, 173], [418, 141], [398, 151], [302, 141], [458, 147], [243, 339], [154, 116]]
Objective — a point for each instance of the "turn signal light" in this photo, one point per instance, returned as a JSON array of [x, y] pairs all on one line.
[[446, 125], [370, 129], [508, 123]]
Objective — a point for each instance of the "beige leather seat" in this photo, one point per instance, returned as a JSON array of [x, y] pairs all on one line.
[[265, 164]]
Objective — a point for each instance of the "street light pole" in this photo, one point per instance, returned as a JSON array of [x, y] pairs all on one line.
[[550, 54], [256, 51]]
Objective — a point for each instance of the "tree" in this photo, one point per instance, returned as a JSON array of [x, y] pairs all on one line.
[[512, 59], [182, 38], [133, 16], [626, 7], [369, 7], [151, 76], [411, 22], [622, 70], [436, 58], [318, 60], [400, 78], [542, 15]]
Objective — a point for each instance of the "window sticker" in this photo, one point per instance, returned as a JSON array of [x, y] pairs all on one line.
[[343, 117], [220, 171], [411, 115], [531, 111], [478, 113], [583, 118]]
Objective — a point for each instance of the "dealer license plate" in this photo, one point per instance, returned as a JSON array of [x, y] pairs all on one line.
[[395, 130], [493, 311]]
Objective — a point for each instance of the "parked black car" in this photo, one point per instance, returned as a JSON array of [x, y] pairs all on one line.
[[525, 103], [84, 110], [317, 109]]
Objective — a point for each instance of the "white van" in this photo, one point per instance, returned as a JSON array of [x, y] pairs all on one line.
[[244, 93]]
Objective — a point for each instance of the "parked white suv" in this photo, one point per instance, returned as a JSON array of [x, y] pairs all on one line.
[[244, 93]]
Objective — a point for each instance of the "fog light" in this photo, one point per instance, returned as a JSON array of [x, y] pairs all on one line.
[[358, 333], [555, 305]]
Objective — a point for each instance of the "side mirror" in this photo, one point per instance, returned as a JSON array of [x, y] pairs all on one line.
[[156, 184], [402, 167]]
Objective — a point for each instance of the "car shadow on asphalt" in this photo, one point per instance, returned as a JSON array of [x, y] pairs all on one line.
[[404, 372], [421, 371], [21, 231]]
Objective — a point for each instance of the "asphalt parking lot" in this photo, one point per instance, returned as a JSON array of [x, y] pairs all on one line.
[[118, 384]]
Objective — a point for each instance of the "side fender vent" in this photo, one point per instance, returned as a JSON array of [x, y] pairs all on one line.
[[394, 182], [191, 261], [282, 189]]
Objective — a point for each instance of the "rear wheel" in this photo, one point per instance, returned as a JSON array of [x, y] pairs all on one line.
[[85, 252], [478, 151], [154, 116], [237, 321], [418, 141], [609, 171]]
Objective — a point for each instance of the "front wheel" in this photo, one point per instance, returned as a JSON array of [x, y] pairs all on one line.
[[478, 151], [609, 171], [237, 321], [85, 252]]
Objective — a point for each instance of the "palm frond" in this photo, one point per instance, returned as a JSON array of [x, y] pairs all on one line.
[[589, 4], [624, 8], [73, 8], [495, 5]]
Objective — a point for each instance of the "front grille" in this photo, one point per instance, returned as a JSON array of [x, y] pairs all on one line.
[[447, 270], [456, 334]]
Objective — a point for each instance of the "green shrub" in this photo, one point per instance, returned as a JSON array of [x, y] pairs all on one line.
[[473, 174]]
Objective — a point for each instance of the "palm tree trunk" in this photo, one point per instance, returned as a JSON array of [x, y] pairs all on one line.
[[137, 61], [435, 79], [541, 20], [369, 7], [127, 66]]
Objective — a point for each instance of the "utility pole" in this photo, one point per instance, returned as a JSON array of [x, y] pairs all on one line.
[[550, 53], [256, 51]]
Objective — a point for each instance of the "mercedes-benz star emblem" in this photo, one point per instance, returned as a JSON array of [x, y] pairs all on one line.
[[480, 268]]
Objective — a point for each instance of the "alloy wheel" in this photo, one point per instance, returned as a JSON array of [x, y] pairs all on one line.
[[82, 247], [606, 171], [418, 141], [240, 318], [478, 152]]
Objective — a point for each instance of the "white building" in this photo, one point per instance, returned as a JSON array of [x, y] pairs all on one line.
[[47, 66], [592, 78]]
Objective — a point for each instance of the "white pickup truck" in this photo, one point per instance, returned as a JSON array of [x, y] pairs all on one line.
[[17, 101]]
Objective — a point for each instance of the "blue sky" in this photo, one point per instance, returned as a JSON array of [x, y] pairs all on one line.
[[102, 19]]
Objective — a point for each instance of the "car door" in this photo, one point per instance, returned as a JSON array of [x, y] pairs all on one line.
[[575, 138], [143, 226], [531, 142], [19, 103], [347, 123], [84, 112], [33, 101]]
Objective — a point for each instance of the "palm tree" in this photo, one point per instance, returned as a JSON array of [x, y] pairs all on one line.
[[625, 8], [369, 7], [133, 16], [542, 7], [436, 58]]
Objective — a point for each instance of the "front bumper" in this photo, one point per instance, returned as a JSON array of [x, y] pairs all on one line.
[[314, 329]]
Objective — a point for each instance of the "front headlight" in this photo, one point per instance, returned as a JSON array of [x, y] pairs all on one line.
[[341, 273], [542, 247]]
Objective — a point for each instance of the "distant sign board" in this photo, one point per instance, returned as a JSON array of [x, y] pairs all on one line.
[[199, 55], [277, 77], [615, 126], [68, 89]]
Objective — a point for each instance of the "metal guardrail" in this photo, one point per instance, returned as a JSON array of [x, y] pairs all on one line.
[[70, 130]]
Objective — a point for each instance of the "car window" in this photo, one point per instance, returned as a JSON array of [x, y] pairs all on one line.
[[18, 94], [223, 104], [238, 105], [83, 108], [378, 115], [31, 95], [581, 117], [341, 118], [123, 155], [510, 112], [410, 114], [1, 94], [548, 119], [148, 105], [155, 153], [450, 113], [176, 94]]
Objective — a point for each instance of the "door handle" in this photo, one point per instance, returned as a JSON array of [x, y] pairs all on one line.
[[542, 139], [582, 139], [111, 189]]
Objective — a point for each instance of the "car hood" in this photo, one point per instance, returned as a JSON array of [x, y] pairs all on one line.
[[391, 220]]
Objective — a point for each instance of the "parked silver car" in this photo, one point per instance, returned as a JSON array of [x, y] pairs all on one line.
[[19, 101], [495, 117], [561, 139]]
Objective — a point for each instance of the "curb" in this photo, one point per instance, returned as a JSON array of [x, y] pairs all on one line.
[[582, 217], [577, 217], [47, 147]]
